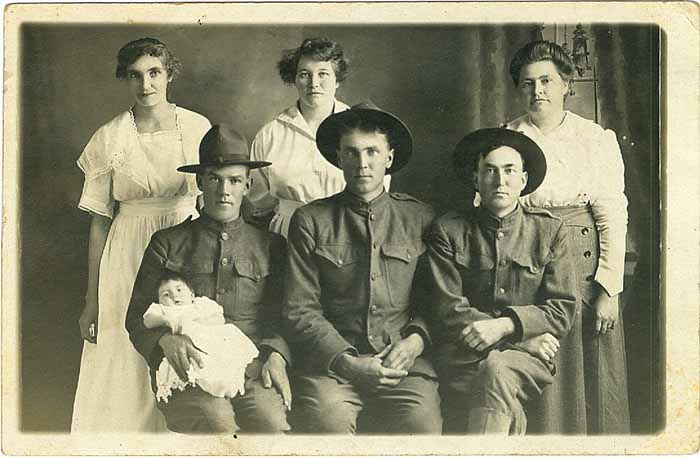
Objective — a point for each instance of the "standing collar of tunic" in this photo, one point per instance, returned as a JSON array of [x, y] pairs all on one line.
[[218, 226], [360, 206], [488, 221]]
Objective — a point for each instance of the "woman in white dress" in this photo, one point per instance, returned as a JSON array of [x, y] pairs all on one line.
[[131, 189], [584, 186], [299, 173]]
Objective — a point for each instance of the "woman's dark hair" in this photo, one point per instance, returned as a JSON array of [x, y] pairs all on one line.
[[320, 49], [171, 275], [131, 51], [537, 51]]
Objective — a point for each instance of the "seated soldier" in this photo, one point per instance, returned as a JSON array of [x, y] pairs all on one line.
[[238, 266], [504, 288], [353, 321]]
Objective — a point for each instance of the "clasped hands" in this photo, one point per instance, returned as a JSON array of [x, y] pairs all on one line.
[[481, 335], [385, 369], [181, 352]]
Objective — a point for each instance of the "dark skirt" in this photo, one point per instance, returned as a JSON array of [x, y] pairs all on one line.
[[589, 394]]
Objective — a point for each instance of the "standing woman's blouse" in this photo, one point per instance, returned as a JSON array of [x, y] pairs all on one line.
[[120, 164], [584, 166], [299, 173]]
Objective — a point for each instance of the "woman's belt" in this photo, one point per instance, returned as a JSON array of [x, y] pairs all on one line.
[[153, 206]]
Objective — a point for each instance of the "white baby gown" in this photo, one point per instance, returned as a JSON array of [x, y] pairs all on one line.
[[226, 349]]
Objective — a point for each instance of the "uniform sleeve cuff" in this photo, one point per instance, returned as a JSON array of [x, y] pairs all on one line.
[[517, 335]]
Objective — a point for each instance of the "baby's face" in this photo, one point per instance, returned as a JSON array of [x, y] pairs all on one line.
[[175, 293]]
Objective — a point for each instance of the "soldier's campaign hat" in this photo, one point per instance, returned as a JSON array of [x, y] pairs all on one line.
[[222, 145], [467, 152], [398, 134]]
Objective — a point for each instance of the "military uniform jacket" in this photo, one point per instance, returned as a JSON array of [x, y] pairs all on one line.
[[484, 267], [350, 278], [235, 264]]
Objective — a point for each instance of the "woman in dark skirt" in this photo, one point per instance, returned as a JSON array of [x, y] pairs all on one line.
[[585, 187]]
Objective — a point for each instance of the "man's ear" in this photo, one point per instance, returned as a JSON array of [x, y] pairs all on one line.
[[525, 177], [390, 158], [475, 180], [199, 181]]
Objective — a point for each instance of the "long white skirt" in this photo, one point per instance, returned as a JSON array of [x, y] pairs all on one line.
[[114, 388]]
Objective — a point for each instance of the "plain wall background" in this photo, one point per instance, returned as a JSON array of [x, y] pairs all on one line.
[[427, 75]]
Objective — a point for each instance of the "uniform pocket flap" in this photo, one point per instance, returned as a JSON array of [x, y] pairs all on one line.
[[529, 262], [192, 267], [252, 269], [339, 255], [407, 252]]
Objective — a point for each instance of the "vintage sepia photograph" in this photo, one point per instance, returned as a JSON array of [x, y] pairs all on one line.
[[384, 229]]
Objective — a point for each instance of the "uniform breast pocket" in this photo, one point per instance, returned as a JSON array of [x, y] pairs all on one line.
[[199, 273], [477, 275], [251, 278], [339, 267], [527, 273], [400, 259]]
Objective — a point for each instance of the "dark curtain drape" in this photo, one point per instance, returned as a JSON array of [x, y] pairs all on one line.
[[628, 69]]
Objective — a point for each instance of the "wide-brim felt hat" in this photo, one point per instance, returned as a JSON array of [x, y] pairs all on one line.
[[399, 136], [467, 152], [222, 145]]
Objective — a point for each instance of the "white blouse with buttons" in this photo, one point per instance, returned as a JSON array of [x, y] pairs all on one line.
[[584, 166]]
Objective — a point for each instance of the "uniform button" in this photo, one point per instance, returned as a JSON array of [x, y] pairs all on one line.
[[585, 231], [500, 235], [373, 309], [372, 217], [340, 262], [374, 277], [502, 262], [535, 269], [497, 313], [224, 236], [375, 246], [501, 291], [587, 254], [224, 262], [370, 337], [408, 256], [258, 277], [221, 290]]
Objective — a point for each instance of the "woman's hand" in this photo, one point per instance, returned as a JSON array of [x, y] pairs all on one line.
[[607, 310], [87, 319]]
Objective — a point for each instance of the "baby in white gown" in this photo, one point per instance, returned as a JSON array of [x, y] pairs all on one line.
[[226, 349]]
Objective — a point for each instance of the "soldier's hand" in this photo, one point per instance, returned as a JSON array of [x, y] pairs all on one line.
[[480, 335], [274, 373], [402, 354], [180, 352], [368, 372], [544, 346]]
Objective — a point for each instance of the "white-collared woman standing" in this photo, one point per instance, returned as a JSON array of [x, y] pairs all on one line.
[[299, 174]]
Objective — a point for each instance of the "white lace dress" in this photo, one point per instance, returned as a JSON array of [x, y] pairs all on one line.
[[132, 179]]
